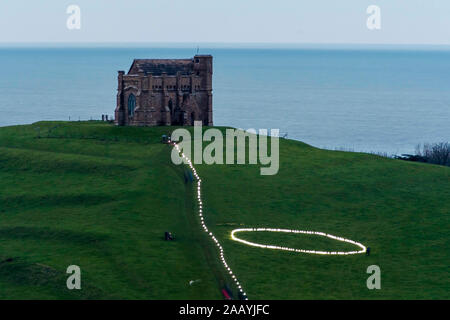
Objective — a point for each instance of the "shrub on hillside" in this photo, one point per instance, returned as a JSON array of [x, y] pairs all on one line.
[[436, 153]]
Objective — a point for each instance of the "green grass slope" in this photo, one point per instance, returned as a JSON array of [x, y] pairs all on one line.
[[399, 209], [101, 197]]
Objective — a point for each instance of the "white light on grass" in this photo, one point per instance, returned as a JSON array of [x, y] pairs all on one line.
[[200, 213], [322, 234], [222, 257]]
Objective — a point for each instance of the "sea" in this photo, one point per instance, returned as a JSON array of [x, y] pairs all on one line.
[[385, 99]]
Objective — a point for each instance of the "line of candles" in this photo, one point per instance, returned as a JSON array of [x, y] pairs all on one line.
[[317, 233], [233, 232], [202, 220]]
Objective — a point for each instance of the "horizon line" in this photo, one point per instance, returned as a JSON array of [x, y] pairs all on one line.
[[216, 43], [223, 45]]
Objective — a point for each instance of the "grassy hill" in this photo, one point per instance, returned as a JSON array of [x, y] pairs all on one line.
[[101, 197]]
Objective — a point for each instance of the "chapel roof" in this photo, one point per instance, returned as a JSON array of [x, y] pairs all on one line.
[[157, 67]]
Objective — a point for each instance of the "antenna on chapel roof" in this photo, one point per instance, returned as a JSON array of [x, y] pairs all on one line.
[[198, 49]]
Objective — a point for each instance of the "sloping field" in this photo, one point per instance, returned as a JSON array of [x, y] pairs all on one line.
[[101, 197]]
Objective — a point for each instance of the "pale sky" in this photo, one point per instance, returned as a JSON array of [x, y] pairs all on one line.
[[227, 21]]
